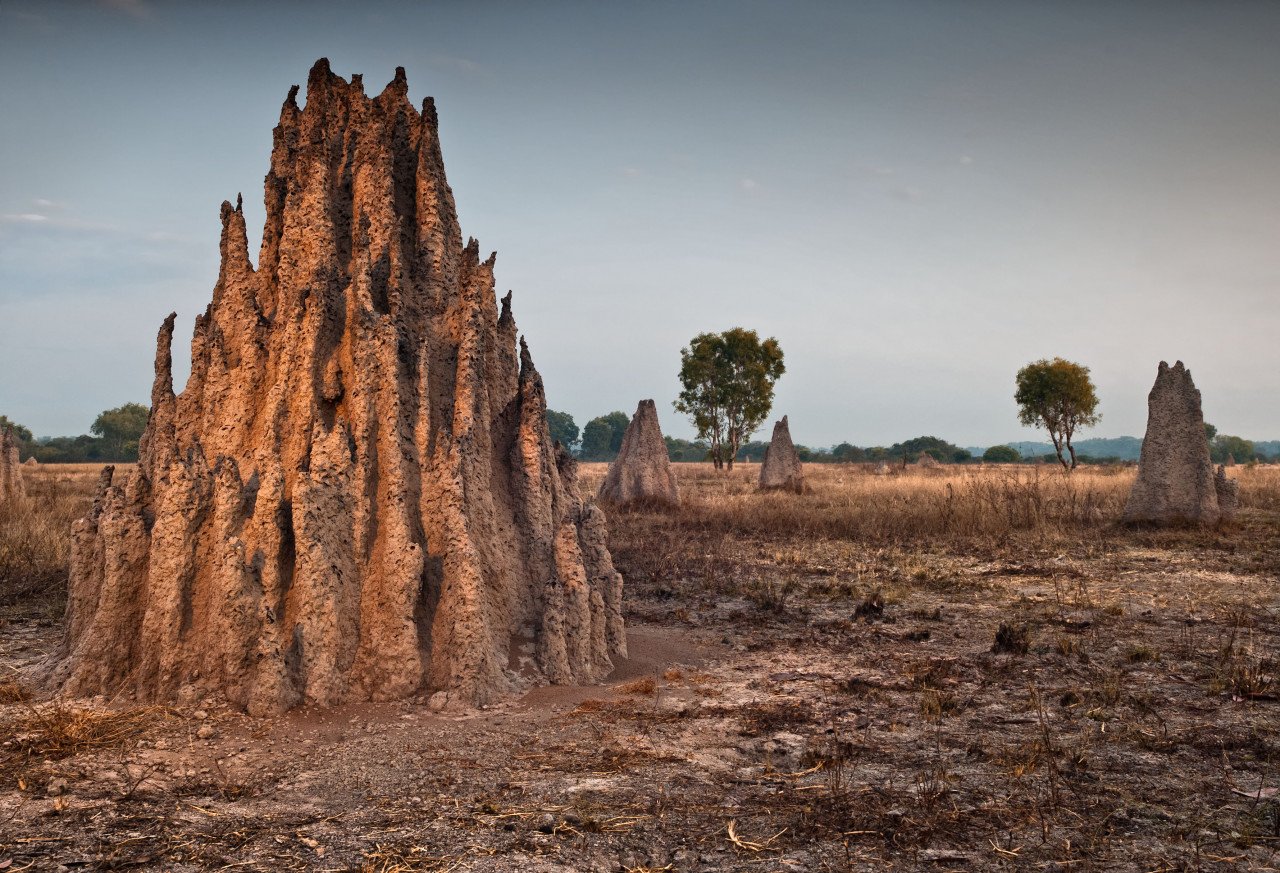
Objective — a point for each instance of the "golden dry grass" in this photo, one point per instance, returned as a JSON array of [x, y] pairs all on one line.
[[35, 538], [962, 501]]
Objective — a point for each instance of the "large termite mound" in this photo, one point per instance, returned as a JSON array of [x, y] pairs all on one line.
[[641, 474], [780, 469], [11, 485], [355, 497], [1176, 483]]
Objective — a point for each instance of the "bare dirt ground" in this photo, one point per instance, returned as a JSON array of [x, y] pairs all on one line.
[[967, 670]]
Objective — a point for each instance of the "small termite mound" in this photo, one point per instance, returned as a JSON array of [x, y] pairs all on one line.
[[11, 484], [780, 470], [641, 473]]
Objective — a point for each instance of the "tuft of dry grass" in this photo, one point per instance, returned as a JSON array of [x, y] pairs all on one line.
[[50, 732], [645, 685], [13, 691], [1012, 639]]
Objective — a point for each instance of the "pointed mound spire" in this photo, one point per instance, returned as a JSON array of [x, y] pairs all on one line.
[[780, 469], [12, 485], [355, 497]]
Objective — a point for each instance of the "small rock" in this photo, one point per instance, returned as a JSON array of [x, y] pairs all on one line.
[[57, 787], [206, 732], [438, 701], [200, 714]]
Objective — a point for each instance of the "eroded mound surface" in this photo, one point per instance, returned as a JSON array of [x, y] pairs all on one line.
[[355, 497]]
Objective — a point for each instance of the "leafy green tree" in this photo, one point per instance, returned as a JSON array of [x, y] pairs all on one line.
[[847, 453], [563, 428], [1224, 444], [1001, 455], [937, 448], [1210, 431], [120, 429], [1059, 396], [684, 450], [728, 381], [22, 435], [602, 436]]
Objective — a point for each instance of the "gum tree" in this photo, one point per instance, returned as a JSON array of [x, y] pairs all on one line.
[[1059, 396], [728, 381]]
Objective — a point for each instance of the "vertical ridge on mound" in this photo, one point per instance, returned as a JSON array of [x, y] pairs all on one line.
[[1176, 483], [11, 484], [355, 496], [780, 468], [641, 473]]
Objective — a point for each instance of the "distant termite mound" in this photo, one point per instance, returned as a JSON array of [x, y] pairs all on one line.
[[780, 470], [927, 461], [1176, 483], [11, 485], [355, 497], [641, 473]]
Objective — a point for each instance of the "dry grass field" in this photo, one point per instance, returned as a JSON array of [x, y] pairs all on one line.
[[967, 669]]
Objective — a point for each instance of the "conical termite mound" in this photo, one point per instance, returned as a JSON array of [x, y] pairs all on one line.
[[1176, 482], [355, 497], [780, 470], [641, 474]]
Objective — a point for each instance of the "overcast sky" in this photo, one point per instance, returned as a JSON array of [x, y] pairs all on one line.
[[915, 198]]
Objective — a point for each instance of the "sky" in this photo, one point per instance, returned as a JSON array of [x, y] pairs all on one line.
[[915, 198]]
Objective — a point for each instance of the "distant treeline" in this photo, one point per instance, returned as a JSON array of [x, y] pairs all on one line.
[[113, 437], [601, 439], [115, 434]]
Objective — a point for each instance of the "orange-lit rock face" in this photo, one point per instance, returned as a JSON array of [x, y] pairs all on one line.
[[355, 496]]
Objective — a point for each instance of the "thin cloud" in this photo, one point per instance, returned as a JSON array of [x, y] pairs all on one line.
[[632, 172], [749, 184], [133, 8], [23, 216], [452, 62]]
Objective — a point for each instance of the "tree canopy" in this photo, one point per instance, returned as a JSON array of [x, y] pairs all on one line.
[[1237, 448], [1001, 455], [120, 429], [728, 381], [563, 428], [1059, 396], [602, 436]]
